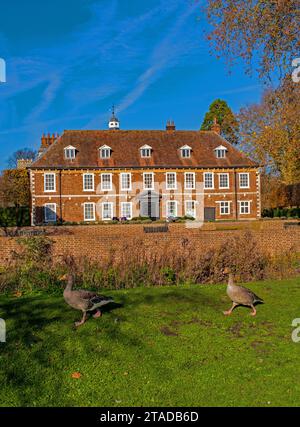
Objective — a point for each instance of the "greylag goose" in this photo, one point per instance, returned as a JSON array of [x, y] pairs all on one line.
[[83, 300], [240, 295]]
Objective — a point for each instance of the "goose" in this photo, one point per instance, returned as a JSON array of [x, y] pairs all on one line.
[[240, 295], [83, 300]]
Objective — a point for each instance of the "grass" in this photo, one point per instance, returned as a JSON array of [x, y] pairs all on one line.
[[164, 346]]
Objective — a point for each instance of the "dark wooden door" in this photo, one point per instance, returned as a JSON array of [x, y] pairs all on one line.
[[209, 214]]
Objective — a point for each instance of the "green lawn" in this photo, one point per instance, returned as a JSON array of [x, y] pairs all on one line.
[[164, 346]]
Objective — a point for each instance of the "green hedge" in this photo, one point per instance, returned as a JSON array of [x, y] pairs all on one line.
[[281, 212], [15, 217]]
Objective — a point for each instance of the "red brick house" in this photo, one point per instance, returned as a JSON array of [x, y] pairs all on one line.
[[98, 175]]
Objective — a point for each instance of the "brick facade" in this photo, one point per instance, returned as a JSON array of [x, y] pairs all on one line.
[[98, 241]]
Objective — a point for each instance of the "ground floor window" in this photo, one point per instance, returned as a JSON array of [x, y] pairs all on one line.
[[171, 208], [190, 208], [50, 212], [126, 210], [89, 211], [107, 210], [245, 207], [224, 208]]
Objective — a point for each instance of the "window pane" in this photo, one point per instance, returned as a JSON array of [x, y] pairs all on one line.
[[125, 181], [88, 182], [107, 211], [148, 181], [186, 152], [223, 180], [171, 208], [208, 180], [106, 183], [126, 210], [50, 212], [171, 181], [189, 181], [190, 208], [105, 153], [89, 211], [244, 180], [49, 182], [224, 208], [146, 152]]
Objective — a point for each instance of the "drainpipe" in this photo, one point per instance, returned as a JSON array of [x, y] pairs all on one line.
[[235, 196], [60, 199]]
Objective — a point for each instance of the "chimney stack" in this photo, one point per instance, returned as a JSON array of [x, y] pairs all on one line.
[[46, 141], [170, 125], [216, 127]]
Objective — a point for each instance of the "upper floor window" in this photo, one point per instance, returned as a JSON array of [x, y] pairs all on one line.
[[146, 151], [244, 180], [208, 180], [171, 183], [220, 152], [125, 181], [88, 182], [70, 152], [223, 180], [49, 182], [105, 152], [148, 181], [185, 151], [189, 180], [106, 181]]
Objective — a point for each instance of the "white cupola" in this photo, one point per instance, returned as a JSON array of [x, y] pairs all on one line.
[[114, 122]]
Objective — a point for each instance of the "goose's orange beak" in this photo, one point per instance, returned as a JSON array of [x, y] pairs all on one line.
[[226, 270], [63, 277]]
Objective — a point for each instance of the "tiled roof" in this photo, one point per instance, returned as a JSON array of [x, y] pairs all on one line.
[[125, 146]]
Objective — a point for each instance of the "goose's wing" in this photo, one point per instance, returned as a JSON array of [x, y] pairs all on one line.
[[249, 295], [84, 294]]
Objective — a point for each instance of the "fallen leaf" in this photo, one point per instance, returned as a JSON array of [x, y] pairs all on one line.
[[76, 375], [17, 294], [125, 373]]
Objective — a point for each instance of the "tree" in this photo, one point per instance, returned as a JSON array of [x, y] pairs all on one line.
[[220, 110], [270, 131], [23, 153], [15, 187], [266, 29]]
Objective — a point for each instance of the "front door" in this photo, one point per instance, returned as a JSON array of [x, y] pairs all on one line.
[[149, 204]]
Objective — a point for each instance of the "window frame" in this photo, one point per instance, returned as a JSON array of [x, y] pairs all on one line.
[[228, 185], [93, 181], [121, 181], [69, 149], [112, 210], [105, 148], [175, 181], [101, 183], [228, 202], [46, 205], [194, 180], [54, 182], [248, 180], [121, 209], [148, 173], [176, 208], [212, 181], [249, 207], [94, 211], [194, 209]]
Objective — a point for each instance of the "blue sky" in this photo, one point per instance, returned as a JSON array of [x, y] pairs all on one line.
[[68, 61]]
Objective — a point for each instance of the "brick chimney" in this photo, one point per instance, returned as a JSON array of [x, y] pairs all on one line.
[[23, 163], [46, 141], [170, 125], [216, 127]]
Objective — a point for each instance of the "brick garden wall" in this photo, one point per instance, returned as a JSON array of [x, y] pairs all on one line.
[[97, 241]]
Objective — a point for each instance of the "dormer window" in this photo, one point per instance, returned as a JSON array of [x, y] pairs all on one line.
[[105, 152], [186, 151], [70, 152], [220, 152], [146, 151]]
